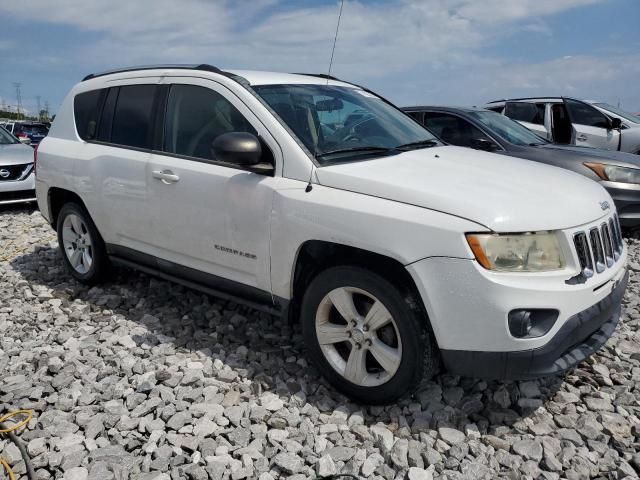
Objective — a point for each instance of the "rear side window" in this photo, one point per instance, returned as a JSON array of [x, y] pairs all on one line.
[[132, 116], [525, 112], [453, 129], [85, 110], [584, 114]]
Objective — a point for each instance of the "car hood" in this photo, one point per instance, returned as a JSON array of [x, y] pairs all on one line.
[[587, 154], [15, 154], [504, 194]]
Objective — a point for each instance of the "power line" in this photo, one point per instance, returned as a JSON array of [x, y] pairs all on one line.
[[17, 86]]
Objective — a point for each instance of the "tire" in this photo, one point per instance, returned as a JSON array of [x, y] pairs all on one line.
[[375, 365], [83, 250]]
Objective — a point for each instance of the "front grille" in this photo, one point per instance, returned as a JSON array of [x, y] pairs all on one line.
[[600, 247], [13, 173]]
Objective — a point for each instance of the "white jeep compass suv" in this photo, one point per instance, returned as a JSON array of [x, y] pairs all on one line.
[[316, 199]]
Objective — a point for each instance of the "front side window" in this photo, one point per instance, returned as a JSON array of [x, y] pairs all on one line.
[[508, 129], [619, 112], [453, 129], [583, 114], [132, 117], [195, 117], [525, 112], [338, 124]]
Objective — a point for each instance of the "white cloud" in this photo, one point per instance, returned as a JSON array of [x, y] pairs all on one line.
[[412, 49]]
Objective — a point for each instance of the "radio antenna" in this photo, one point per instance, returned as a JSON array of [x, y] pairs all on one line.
[[335, 39]]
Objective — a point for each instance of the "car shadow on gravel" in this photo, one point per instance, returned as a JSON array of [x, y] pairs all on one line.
[[269, 354]]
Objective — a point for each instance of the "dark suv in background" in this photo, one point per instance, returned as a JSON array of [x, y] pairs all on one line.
[[481, 129]]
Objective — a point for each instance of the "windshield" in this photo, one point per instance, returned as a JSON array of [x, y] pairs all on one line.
[[6, 138], [508, 129], [339, 124], [620, 113]]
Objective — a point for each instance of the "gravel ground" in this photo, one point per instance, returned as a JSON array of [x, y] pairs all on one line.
[[143, 379]]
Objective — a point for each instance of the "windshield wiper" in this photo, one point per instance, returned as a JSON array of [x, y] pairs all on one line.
[[416, 145], [362, 149]]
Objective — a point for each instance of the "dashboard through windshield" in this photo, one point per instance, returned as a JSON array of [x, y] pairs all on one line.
[[338, 124]]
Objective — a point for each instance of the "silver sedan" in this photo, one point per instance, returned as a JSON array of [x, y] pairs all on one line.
[[17, 177]]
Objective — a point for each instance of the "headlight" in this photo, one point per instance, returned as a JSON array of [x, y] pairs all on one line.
[[524, 252], [614, 173]]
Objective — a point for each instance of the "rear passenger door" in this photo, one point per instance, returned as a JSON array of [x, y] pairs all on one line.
[[210, 221], [529, 114], [591, 126], [116, 126]]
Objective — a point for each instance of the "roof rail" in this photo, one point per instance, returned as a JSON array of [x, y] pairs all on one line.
[[320, 75], [203, 66]]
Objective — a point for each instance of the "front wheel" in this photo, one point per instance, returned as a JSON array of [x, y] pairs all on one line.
[[83, 250], [364, 336]]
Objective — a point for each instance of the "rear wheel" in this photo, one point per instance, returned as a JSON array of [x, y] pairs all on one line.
[[82, 248], [364, 336]]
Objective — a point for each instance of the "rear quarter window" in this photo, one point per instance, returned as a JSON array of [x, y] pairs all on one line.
[[85, 111]]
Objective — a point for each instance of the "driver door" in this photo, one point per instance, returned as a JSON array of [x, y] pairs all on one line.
[[590, 127], [208, 216]]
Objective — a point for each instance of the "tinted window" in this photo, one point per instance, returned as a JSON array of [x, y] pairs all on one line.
[[85, 109], [584, 114], [525, 112], [453, 129], [195, 117], [417, 116], [132, 118]]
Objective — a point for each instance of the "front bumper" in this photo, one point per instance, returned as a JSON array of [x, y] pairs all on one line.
[[18, 191], [578, 338], [627, 199]]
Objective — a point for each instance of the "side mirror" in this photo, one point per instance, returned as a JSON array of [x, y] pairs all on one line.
[[483, 144], [240, 148], [616, 123]]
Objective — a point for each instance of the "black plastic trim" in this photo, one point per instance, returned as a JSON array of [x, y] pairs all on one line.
[[580, 336], [203, 67], [204, 282]]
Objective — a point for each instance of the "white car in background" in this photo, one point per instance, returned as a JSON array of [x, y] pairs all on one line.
[[568, 121], [17, 181]]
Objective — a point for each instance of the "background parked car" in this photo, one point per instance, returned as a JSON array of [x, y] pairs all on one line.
[[571, 122], [17, 179], [30, 133], [483, 129]]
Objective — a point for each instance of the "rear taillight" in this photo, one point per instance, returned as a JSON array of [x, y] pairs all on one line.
[[35, 159]]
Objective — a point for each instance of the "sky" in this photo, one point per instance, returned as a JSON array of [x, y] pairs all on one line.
[[430, 52]]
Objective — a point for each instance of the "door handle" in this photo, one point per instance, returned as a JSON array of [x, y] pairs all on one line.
[[581, 138], [165, 176]]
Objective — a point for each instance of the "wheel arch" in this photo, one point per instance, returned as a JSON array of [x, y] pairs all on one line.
[[56, 198], [315, 256]]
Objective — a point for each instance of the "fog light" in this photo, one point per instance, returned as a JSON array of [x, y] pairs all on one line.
[[531, 323]]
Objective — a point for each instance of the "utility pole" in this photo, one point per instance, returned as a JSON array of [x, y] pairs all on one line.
[[38, 103], [17, 86]]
